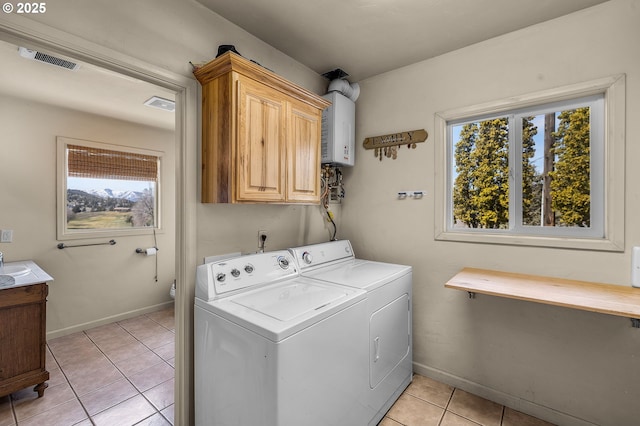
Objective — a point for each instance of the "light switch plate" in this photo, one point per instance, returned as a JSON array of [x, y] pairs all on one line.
[[6, 236]]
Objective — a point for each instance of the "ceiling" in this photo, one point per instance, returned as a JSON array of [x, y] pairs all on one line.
[[369, 37], [363, 37], [90, 89]]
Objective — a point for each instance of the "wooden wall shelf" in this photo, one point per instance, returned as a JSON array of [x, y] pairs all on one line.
[[588, 296]]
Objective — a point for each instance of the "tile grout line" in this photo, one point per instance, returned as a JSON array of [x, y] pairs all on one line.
[[64, 374], [157, 411], [165, 361], [446, 407], [12, 405], [13, 411]]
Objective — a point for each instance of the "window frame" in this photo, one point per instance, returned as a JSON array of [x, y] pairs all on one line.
[[610, 237], [63, 233]]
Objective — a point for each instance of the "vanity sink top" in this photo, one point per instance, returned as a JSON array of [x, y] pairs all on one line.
[[20, 273], [7, 281], [15, 270]]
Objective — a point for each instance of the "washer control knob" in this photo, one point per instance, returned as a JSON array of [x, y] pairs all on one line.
[[306, 256], [221, 277], [248, 268], [283, 262], [235, 273]]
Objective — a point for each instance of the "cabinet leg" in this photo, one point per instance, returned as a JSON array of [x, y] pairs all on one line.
[[40, 388]]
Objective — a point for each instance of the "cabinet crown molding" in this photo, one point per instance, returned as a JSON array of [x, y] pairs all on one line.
[[230, 61]]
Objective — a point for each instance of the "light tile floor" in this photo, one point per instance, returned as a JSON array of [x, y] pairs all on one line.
[[116, 374], [427, 402], [122, 374]]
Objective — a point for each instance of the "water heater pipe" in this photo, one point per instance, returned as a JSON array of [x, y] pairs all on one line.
[[351, 91]]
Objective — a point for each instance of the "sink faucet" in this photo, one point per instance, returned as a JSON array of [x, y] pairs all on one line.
[[1, 260]]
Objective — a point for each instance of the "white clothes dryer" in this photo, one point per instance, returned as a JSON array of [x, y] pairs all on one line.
[[276, 349], [388, 292]]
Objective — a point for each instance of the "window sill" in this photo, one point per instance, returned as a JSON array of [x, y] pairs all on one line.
[[588, 296], [611, 244]]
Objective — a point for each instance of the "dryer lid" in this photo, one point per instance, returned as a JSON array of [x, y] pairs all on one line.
[[359, 273]]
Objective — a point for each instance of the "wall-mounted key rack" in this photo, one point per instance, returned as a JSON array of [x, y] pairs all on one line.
[[388, 145], [411, 194]]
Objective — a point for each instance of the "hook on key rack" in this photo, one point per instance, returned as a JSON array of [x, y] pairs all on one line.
[[416, 195]]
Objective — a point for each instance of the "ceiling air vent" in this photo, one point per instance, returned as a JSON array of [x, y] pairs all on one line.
[[43, 57], [161, 103]]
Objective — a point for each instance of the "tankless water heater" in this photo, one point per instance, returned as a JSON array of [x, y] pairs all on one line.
[[338, 130]]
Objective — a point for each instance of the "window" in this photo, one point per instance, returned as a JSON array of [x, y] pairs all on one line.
[[543, 169], [106, 189]]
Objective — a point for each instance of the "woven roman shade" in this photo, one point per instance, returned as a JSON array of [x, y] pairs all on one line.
[[87, 162]]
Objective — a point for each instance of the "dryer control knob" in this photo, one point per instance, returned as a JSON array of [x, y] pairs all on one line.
[[306, 256], [235, 273], [283, 262], [221, 277], [248, 268]]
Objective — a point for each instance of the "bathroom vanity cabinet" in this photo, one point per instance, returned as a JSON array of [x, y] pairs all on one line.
[[260, 135], [23, 338]]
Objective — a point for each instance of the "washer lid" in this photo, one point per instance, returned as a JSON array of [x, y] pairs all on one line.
[[279, 310], [359, 273], [289, 300]]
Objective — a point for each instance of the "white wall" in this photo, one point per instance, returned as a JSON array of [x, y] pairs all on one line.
[[536, 358], [92, 285]]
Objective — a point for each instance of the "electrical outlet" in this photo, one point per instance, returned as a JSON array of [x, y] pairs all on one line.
[[262, 238], [6, 236]]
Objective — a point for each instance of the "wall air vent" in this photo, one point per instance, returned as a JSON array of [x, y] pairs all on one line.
[[43, 57]]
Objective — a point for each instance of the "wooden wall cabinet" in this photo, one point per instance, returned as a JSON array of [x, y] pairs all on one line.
[[260, 135], [22, 338]]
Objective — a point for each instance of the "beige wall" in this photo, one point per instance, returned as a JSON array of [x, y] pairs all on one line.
[[234, 228], [167, 34], [530, 356], [91, 285], [170, 35]]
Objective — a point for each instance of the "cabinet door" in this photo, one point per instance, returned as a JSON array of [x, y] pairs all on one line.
[[303, 147], [22, 338], [261, 149]]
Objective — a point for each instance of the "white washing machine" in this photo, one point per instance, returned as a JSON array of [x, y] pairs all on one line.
[[276, 349], [388, 291]]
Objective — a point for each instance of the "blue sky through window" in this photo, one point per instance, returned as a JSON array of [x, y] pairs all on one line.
[[85, 184]]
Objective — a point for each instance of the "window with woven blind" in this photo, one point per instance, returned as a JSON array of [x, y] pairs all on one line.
[[106, 189], [99, 163]]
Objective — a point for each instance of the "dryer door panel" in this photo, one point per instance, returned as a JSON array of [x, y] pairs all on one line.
[[389, 338]]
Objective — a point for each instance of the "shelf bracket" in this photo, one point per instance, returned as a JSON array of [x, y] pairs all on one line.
[[611, 299]]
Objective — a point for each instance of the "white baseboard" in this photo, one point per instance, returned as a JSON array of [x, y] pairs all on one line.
[[107, 320], [519, 404]]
